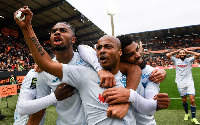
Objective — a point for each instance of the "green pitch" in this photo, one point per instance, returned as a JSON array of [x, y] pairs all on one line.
[[171, 116]]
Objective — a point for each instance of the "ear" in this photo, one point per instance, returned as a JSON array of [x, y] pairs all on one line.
[[73, 39], [120, 52]]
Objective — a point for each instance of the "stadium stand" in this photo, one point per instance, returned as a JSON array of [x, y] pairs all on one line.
[[14, 54]]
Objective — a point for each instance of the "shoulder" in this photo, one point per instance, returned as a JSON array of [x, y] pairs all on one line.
[[148, 69], [32, 73]]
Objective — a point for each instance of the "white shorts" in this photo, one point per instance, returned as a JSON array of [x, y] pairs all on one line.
[[187, 90]]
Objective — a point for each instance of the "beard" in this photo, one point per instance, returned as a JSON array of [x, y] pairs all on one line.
[[59, 48], [182, 57], [143, 64]]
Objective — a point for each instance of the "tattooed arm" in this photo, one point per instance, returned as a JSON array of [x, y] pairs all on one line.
[[39, 54]]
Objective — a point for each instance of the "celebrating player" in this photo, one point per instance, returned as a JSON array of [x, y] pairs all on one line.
[[146, 88], [184, 79], [27, 30]]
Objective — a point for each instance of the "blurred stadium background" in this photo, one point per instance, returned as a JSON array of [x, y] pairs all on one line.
[[16, 60]]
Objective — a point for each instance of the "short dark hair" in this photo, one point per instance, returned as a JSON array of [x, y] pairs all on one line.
[[70, 26], [125, 40]]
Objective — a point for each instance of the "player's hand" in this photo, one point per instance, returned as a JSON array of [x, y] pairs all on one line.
[[185, 50], [116, 95], [64, 91], [157, 75], [28, 16], [118, 110], [163, 100], [107, 78]]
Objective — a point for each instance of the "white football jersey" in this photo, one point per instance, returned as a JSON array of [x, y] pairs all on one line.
[[86, 80], [70, 110], [28, 86], [148, 90], [183, 70]]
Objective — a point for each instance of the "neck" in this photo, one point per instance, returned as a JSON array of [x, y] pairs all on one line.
[[114, 70], [64, 56]]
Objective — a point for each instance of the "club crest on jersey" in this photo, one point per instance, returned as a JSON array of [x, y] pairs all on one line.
[[33, 83], [123, 80], [55, 80], [79, 62], [101, 99], [144, 76]]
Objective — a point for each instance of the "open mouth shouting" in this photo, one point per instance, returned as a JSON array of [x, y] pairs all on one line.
[[57, 41], [103, 59]]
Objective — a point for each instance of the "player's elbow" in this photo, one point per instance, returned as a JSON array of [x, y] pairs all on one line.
[[21, 110]]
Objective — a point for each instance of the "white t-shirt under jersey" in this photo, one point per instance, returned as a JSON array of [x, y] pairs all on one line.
[[86, 80]]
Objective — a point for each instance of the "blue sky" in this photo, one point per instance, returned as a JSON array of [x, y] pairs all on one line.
[[133, 16]]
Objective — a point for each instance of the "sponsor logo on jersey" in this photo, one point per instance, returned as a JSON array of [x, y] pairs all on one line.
[[182, 65], [33, 83]]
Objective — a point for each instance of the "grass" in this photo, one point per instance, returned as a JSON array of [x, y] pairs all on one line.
[[171, 116], [51, 114]]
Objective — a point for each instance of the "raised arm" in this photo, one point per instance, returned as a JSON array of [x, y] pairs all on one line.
[[196, 55], [169, 55], [39, 54]]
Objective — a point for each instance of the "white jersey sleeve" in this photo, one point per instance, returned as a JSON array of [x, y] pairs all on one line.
[[73, 75], [88, 54], [145, 106], [173, 59], [42, 88], [191, 59], [27, 92], [29, 106]]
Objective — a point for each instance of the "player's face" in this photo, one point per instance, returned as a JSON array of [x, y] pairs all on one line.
[[182, 54], [62, 37], [131, 54], [108, 53]]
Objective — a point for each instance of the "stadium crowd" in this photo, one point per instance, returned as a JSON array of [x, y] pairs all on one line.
[[158, 61], [172, 43], [14, 53]]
